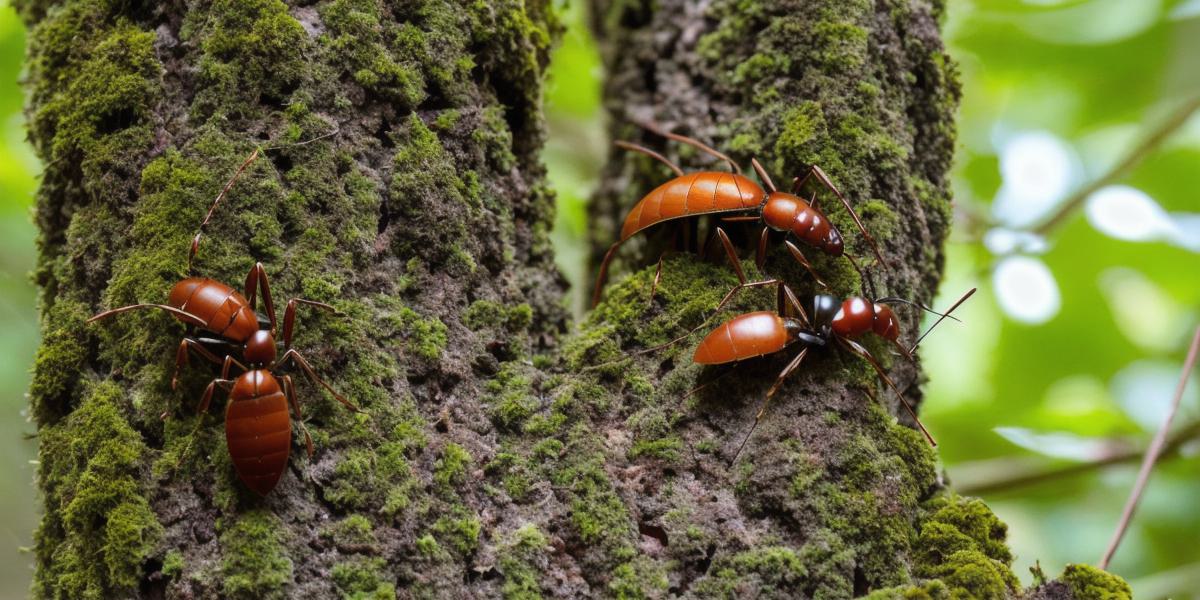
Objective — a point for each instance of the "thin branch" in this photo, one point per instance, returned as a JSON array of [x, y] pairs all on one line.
[[1156, 447], [1151, 141], [1034, 477]]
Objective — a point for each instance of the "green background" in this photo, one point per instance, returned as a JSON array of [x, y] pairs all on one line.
[[1054, 93]]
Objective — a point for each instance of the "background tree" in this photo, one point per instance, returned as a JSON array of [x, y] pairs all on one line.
[[401, 184]]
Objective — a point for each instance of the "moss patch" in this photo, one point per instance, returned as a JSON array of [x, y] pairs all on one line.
[[99, 528], [1089, 582], [521, 560], [255, 563]]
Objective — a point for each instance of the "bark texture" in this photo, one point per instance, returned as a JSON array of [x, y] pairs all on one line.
[[494, 460]]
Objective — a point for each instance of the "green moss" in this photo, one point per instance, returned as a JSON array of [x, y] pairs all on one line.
[[356, 36], [428, 546], [255, 563], [59, 360], [363, 579], [352, 533], [253, 50], [638, 579], [510, 396], [380, 478], [98, 119], [930, 590], [957, 523], [963, 544], [451, 467], [98, 528], [481, 314], [1089, 582], [518, 561], [771, 569], [598, 513], [173, 564], [459, 529]]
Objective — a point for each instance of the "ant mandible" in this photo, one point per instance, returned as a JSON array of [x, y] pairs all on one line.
[[712, 192], [257, 424]]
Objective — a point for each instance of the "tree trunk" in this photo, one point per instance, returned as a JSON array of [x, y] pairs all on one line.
[[400, 183]]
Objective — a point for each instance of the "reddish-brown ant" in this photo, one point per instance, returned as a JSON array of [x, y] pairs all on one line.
[[711, 192], [765, 332], [257, 425]]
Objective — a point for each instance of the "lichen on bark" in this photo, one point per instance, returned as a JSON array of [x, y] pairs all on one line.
[[400, 182]]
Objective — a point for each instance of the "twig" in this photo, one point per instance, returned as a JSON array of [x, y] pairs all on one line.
[[1135, 156], [1034, 477], [1156, 447]]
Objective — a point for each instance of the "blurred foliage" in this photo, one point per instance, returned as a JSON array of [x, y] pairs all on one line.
[[18, 316], [1055, 93]]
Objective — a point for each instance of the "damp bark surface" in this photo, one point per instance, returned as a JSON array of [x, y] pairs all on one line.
[[501, 453]]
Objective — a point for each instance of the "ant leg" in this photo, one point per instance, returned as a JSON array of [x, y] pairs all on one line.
[[181, 357], [657, 277], [693, 143], [651, 154], [603, 273], [760, 255], [732, 255], [312, 376], [864, 279], [828, 184], [289, 317], [228, 365], [213, 208], [257, 278], [789, 305], [289, 390], [182, 315], [799, 256], [858, 349], [762, 174], [783, 375], [208, 392]]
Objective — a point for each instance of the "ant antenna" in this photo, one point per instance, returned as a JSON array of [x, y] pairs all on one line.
[[237, 175], [891, 299], [943, 317], [213, 208]]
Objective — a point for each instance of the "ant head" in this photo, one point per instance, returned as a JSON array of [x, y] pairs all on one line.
[[260, 348], [824, 308], [857, 316]]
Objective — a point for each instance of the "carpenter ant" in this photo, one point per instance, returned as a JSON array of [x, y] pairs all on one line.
[[711, 192], [765, 332], [257, 424]]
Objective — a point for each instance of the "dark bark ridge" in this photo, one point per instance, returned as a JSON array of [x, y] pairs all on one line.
[[493, 461]]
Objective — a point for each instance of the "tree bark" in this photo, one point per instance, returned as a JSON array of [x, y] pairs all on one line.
[[400, 183]]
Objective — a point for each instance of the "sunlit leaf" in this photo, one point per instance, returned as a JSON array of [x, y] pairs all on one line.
[[1127, 213], [1058, 444], [1038, 168], [1026, 290]]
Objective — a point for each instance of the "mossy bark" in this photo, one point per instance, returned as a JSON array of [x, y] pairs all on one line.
[[400, 183]]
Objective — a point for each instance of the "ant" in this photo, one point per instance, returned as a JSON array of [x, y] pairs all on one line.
[[761, 333], [712, 192], [257, 424]]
